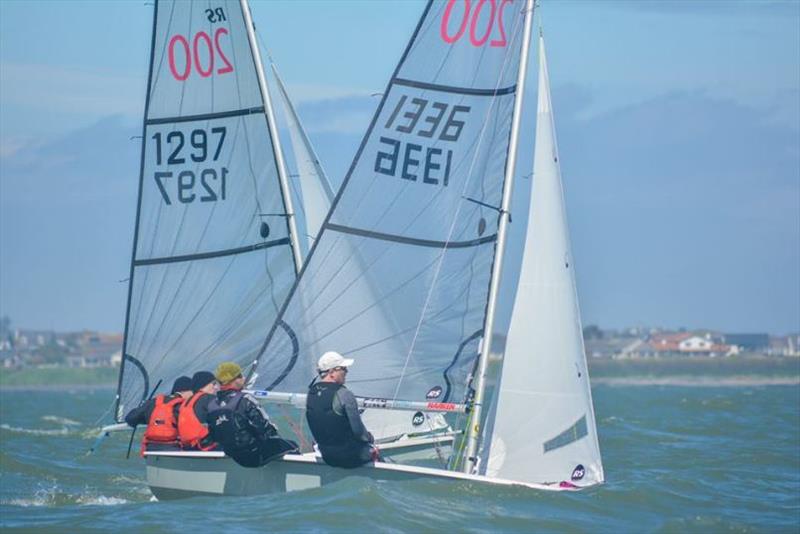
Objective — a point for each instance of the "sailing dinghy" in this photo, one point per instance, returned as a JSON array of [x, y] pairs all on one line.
[[403, 275]]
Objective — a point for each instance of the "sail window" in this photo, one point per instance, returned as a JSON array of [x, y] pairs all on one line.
[[573, 433]]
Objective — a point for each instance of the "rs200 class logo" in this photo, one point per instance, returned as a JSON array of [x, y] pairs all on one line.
[[578, 472], [434, 393]]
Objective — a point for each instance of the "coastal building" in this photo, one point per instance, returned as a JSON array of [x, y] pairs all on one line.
[[687, 344], [748, 342]]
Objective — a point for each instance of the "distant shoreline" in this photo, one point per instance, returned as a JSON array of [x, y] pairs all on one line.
[[697, 381], [643, 381], [675, 371], [56, 387]]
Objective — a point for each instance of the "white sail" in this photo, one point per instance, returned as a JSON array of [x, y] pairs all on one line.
[[313, 189], [212, 258], [419, 207], [314, 195], [544, 430]]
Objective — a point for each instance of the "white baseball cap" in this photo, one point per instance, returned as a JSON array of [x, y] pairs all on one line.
[[332, 359]]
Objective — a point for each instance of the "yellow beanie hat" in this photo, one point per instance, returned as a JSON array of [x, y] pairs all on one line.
[[227, 372]]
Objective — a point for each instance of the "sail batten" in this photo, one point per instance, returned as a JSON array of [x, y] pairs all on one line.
[[471, 91]]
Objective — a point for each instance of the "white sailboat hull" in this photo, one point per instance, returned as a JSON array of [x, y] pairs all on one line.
[[177, 475]]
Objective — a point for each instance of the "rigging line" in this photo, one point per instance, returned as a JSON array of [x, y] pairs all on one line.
[[105, 413], [296, 428], [491, 106]]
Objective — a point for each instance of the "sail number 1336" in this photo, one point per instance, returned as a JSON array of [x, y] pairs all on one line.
[[189, 185]]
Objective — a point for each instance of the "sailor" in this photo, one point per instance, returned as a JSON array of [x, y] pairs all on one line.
[[332, 414], [193, 414], [241, 425], [160, 416]]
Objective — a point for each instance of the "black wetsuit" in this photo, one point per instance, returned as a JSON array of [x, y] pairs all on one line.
[[332, 415], [241, 426]]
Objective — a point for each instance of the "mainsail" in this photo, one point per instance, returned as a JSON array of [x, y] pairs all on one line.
[[212, 257], [544, 430], [415, 220], [313, 195]]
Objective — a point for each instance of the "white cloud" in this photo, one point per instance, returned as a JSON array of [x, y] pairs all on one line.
[[89, 92]]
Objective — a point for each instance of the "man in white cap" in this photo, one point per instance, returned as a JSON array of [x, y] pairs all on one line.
[[332, 414]]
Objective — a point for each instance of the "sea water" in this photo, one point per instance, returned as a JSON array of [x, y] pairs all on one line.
[[677, 459]]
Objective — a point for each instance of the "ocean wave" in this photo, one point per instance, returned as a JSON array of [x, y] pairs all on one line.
[[60, 420], [54, 500], [51, 495], [35, 431], [101, 500], [701, 381]]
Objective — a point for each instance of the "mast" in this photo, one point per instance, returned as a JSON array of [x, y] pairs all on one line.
[[473, 430], [276, 143]]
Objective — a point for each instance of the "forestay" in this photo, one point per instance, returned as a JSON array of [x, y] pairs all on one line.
[[212, 260], [544, 430], [415, 222]]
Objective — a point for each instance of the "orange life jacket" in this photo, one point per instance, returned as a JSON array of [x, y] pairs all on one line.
[[162, 427], [191, 431]]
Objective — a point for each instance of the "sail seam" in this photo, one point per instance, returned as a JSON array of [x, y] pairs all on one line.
[[215, 254], [206, 116], [453, 89], [412, 240]]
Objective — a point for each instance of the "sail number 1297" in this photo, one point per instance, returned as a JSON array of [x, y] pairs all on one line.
[[190, 185]]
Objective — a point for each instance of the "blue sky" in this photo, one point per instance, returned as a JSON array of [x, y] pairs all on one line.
[[678, 125]]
